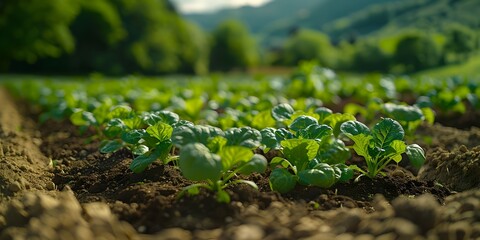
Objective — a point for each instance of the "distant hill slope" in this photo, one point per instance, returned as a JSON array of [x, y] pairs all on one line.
[[342, 19]]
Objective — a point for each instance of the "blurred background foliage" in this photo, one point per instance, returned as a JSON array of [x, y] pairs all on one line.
[[117, 37]]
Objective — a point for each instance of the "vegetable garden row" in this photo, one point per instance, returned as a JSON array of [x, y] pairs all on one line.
[[314, 128], [211, 128]]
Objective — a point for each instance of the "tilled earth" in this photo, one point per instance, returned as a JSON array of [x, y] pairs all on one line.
[[54, 184]]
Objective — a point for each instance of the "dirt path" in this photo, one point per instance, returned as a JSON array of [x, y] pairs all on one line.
[[85, 194]]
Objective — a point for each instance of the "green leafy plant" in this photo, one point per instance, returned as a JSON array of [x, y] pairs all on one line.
[[216, 170], [381, 145]]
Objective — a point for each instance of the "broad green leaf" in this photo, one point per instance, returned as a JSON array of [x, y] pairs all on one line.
[[298, 114], [282, 181], [323, 175], [186, 134], [139, 149], [283, 134], [394, 150], [333, 151], [353, 128], [111, 146], [402, 112], [216, 143], [197, 163], [232, 156], [161, 151], [323, 113], [429, 115], [416, 155], [160, 131], [133, 122], [343, 173], [120, 111], [262, 120], [282, 112], [244, 136], [83, 118], [269, 139], [193, 107], [336, 120], [316, 131], [302, 122], [354, 109], [387, 131], [276, 161], [114, 127], [299, 151], [133, 136], [168, 117], [257, 164]]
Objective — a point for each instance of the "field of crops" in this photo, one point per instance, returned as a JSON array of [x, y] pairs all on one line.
[[310, 156]]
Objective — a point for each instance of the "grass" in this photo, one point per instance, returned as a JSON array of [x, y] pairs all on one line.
[[470, 68]]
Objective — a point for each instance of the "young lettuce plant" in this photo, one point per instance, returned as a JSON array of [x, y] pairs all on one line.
[[302, 161], [214, 157], [410, 117], [381, 145], [216, 170]]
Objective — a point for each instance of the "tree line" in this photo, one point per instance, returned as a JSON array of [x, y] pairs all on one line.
[[118, 37]]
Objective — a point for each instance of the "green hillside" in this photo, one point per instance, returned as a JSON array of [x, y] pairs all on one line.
[[345, 19]]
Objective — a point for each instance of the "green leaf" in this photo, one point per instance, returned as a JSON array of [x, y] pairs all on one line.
[[186, 134], [316, 131], [416, 155], [120, 111], [134, 122], [323, 113], [231, 156], [299, 151], [402, 112], [323, 175], [282, 112], [302, 122], [333, 151], [216, 143], [429, 115], [387, 131], [161, 151], [83, 118], [257, 164], [168, 117], [244, 136], [193, 107], [279, 161], [283, 134], [262, 120], [282, 181], [111, 146], [133, 136], [114, 127], [160, 131], [269, 138], [197, 163], [222, 196], [343, 173], [394, 150], [336, 120], [139, 149], [353, 128]]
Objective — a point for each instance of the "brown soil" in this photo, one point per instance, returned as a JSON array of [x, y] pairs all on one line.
[[82, 194]]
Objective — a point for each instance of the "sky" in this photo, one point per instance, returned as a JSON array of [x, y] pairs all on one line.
[[204, 6]]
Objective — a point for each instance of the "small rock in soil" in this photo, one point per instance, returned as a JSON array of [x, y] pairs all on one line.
[[15, 186], [421, 210]]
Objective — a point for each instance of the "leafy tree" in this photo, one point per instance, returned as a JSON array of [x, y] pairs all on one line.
[[35, 29], [308, 45], [370, 57], [232, 47], [461, 40], [416, 51]]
